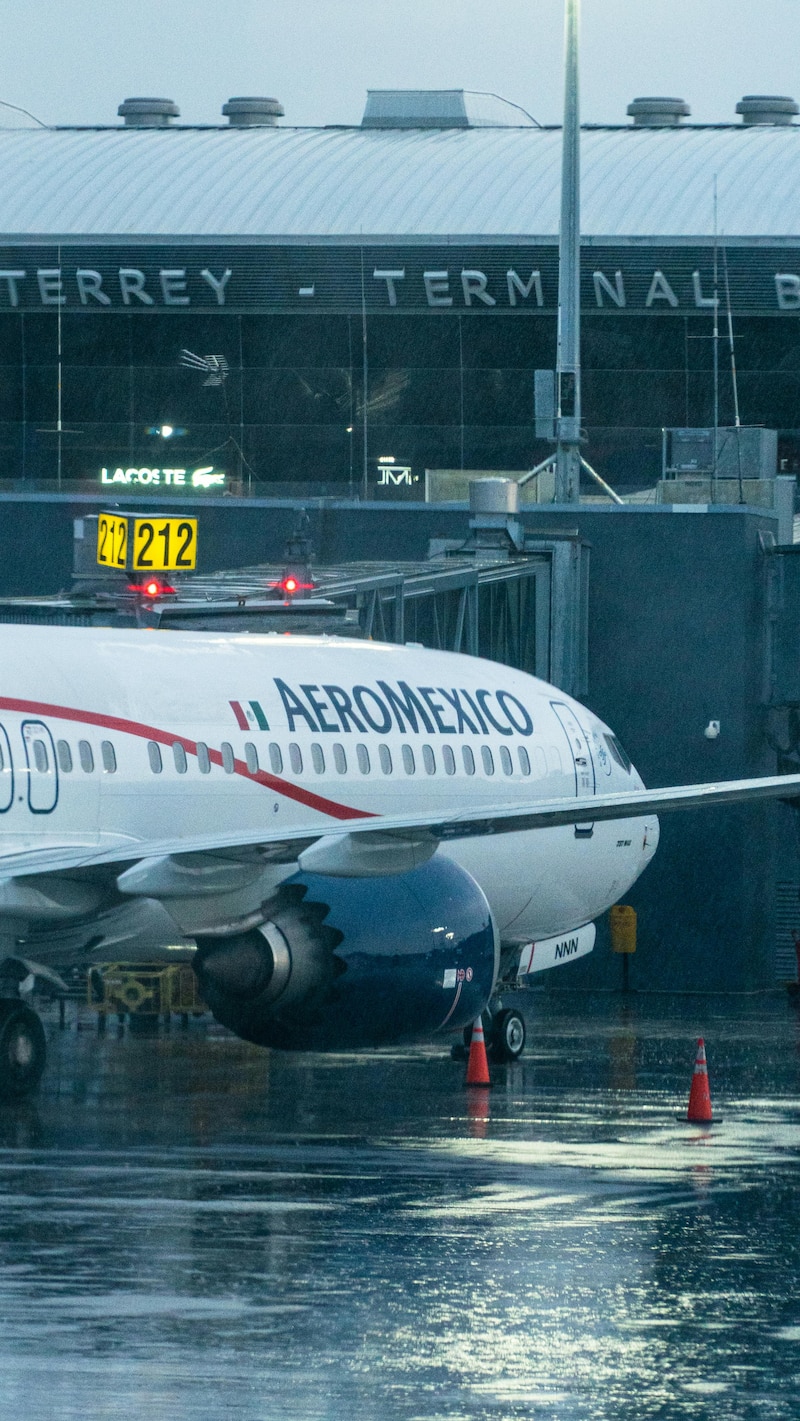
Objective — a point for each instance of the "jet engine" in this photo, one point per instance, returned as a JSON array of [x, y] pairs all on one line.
[[349, 962]]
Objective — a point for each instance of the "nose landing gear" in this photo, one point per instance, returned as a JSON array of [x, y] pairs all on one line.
[[505, 1037]]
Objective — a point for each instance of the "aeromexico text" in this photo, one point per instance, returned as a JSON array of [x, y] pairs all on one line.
[[444, 287], [332, 710]]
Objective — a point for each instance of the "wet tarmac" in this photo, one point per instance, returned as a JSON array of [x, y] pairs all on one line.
[[191, 1228]]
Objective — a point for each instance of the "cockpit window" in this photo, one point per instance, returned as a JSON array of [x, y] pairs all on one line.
[[617, 751]]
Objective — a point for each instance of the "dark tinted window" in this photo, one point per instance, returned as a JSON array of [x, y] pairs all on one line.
[[617, 751]]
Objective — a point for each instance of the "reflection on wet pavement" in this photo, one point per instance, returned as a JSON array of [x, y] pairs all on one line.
[[192, 1228]]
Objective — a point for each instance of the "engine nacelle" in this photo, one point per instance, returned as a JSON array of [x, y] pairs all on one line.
[[357, 961]]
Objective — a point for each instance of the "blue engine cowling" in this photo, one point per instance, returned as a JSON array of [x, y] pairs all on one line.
[[348, 962]]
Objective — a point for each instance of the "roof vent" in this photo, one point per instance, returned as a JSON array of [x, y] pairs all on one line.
[[767, 108], [148, 113], [441, 108], [658, 113], [253, 113]]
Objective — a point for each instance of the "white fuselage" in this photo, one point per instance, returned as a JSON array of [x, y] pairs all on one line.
[[120, 745]]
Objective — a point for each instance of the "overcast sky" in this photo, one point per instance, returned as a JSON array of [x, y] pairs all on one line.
[[73, 61]]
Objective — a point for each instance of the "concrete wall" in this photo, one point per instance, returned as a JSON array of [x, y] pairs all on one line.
[[675, 639]]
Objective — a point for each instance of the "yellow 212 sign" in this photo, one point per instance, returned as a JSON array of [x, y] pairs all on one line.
[[150, 545]]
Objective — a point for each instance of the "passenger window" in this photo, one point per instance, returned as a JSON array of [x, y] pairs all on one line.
[[153, 755], [318, 758], [64, 757], [524, 762], [385, 757], [448, 759], [408, 760], [40, 756], [428, 760], [362, 755], [469, 760], [275, 759], [228, 757], [506, 761], [109, 757], [553, 759], [251, 757], [295, 759], [488, 760], [179, 756], [203, 758], [86, 756], [541, 762], [340, 759]]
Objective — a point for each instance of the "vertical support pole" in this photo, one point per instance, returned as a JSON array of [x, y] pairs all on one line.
[[364, 390], [568, 365], [716, 353]]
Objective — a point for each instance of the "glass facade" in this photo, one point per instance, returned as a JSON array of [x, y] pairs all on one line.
[[444, 389]]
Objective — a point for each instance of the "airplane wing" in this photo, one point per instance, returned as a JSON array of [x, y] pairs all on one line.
[[380, 837], [392, 830], [591, 808]]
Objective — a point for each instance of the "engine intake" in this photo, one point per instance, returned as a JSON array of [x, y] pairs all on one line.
[[356, 962]]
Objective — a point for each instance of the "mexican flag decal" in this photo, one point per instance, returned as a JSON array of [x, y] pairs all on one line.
[[249, 716]]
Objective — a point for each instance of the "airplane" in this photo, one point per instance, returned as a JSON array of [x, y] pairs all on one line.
[[363, 844]]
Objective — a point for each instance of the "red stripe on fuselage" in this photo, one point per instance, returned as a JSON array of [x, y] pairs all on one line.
[[241, 718], [162, 737]]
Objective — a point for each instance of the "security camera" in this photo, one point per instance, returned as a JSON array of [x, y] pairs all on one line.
[[711, 731]]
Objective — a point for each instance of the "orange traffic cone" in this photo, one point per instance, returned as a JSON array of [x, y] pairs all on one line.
[[477, 1065], [699, 1112]]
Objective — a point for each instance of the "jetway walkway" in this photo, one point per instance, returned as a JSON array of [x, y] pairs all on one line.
[[526, 606]]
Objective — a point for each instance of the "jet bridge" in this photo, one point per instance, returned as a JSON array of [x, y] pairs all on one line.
[[518, 599], [529, 611]]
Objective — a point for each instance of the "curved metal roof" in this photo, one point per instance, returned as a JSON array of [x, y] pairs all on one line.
[[346, 184]]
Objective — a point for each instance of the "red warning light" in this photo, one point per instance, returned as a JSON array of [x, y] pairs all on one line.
[[290, 585], [152, 588]]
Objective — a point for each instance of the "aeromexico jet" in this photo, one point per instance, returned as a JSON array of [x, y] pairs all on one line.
[[364, 843]]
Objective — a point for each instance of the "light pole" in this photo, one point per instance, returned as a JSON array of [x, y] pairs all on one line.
[[568, 361]]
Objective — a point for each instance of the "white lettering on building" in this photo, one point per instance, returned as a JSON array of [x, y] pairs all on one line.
[[518, 287], [602, 284], [180, 286], [437, 288], [660, 290], [217, 283], [699, 298], [11, 278], [474, 283], [51, 288], [173, 286], [90, 283], [390, 277], [787, 289], [131, 283]]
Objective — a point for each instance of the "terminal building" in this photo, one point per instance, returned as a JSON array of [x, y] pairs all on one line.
[[254, 309], [348, 307]]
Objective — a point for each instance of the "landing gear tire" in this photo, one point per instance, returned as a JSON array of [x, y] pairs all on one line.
[[23, 1049], [507, 1036]]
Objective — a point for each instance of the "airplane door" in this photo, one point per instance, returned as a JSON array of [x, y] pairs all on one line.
[[580, 750], [6, 773], [40, 755]]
